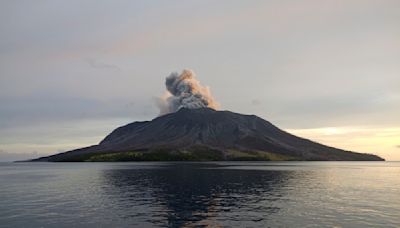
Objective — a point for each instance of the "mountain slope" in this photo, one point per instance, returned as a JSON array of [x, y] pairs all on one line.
[[196, 132]]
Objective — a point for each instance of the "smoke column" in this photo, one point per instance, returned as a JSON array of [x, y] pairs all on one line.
[[185, 91]]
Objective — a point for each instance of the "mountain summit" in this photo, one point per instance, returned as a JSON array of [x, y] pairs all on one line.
[[206, 134]]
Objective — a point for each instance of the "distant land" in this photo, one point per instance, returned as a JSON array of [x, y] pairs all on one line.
[[204, 134]]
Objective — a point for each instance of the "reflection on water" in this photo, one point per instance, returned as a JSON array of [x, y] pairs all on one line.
[[227, 194], [194, 194]]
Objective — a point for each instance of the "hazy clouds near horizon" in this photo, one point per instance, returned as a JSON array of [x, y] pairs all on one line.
[[71, 71]]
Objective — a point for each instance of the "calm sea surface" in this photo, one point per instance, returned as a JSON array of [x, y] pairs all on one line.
[[225, 194]]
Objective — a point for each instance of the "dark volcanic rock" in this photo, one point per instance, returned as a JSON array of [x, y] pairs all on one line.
[[218, 130]]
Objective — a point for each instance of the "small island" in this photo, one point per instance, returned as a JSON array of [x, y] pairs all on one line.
[[204, 134]]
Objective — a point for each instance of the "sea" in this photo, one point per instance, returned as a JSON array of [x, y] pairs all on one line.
[[203, 194]]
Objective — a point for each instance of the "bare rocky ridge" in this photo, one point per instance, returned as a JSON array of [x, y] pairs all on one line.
[[222, 131]]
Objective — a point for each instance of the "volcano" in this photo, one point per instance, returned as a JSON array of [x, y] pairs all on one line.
[[206, 134]]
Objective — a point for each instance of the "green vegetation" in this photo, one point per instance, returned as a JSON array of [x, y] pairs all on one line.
[[195, 153], [237, 155], [161, 154]]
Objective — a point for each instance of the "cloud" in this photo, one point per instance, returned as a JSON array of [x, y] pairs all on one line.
[[255, 102], [378, 140], [101, 65], [45, 108], [9, 157]]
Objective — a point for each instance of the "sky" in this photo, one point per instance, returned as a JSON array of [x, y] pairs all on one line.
[[72, 71]]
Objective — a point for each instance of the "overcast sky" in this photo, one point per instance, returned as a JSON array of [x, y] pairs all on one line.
[[72, 71]]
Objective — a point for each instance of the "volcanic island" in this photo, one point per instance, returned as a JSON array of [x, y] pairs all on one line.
[[189, 128]]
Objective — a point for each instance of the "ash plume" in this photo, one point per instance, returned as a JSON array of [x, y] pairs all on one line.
[[185, 91]]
